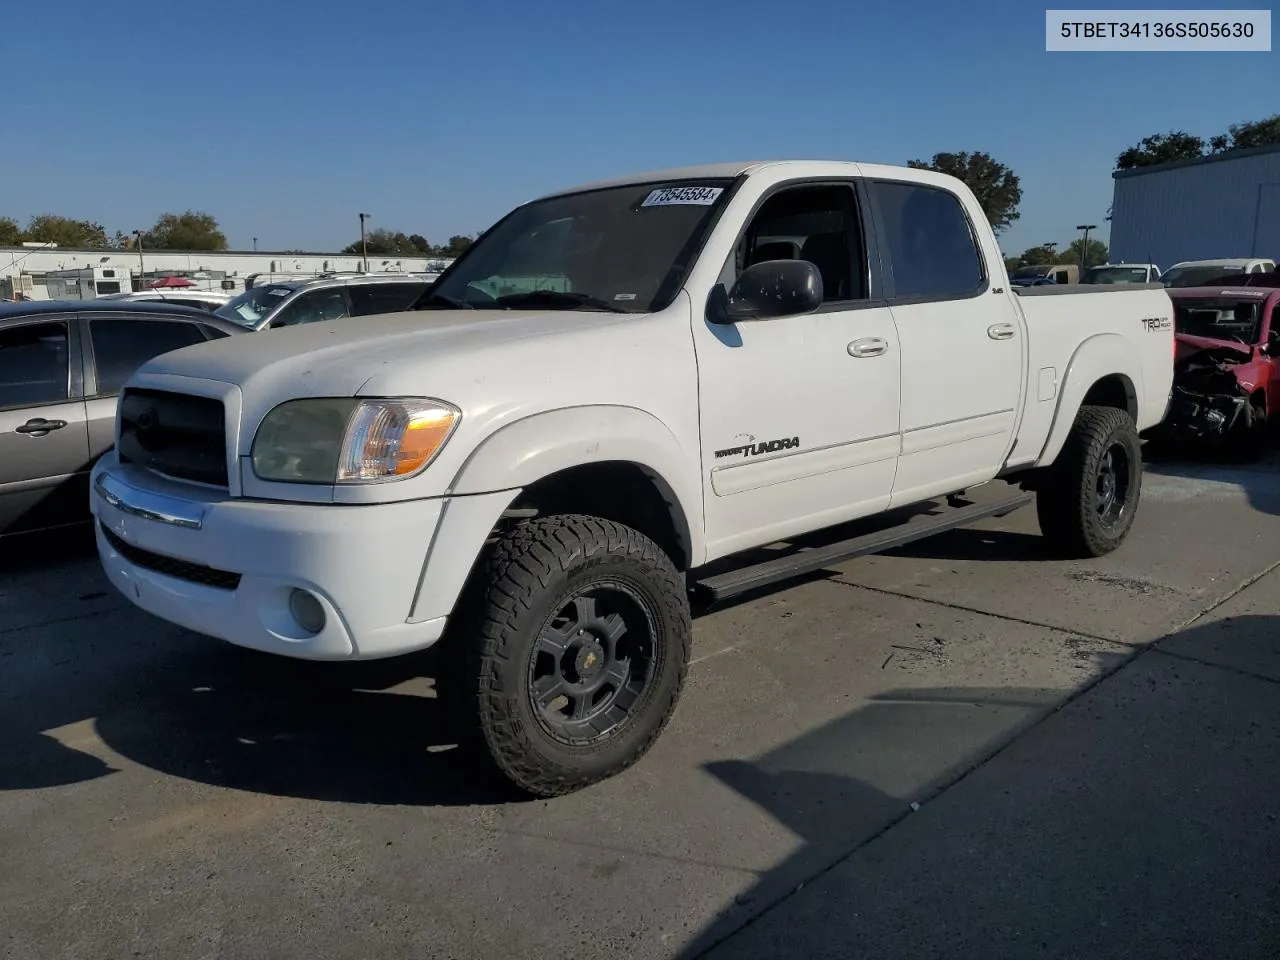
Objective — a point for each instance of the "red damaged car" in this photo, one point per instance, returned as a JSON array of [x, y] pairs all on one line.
[[1226, 374]]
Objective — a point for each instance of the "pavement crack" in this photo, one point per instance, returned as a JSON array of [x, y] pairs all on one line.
[[1245, 585], [57, 620], [988, 613], [1238, 671]]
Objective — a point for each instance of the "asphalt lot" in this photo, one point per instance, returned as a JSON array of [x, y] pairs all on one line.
[[1092, 748]]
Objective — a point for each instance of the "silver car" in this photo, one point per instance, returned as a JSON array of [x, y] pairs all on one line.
[[61, 368], [290, 302]]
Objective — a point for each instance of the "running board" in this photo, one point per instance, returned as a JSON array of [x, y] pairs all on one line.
[[744, 579]]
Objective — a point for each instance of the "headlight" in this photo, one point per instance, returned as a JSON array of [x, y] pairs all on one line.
[[343, 440]]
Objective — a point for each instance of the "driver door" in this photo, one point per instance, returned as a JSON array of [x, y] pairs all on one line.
[[799, 415]]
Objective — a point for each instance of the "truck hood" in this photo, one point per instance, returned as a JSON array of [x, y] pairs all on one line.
[[355, 356]]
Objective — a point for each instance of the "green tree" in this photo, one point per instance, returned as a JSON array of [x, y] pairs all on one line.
[[1094, 255], [1040, 256], [10, 232], [997, 188], [1161, 148], [1259, 133], [65, 232], [383, 243], [191, 230], [455, 247]]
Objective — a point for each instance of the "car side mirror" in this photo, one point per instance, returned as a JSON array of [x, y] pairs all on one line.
[[771, 289]]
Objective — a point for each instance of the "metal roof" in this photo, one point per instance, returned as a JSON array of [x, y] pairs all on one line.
[[1197, 161]]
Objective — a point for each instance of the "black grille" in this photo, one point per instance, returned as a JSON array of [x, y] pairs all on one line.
[[171, 566], [175, 434]]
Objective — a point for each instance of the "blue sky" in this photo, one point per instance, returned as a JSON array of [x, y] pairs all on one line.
[[286, 118]]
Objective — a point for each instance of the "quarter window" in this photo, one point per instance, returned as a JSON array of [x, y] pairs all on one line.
[[374, 298], [33, 364], [929, 242], [121, 346]]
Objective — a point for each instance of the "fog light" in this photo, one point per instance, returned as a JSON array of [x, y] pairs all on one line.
[[307, 611]]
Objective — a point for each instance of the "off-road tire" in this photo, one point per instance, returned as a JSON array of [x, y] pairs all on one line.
[[530, 574], [1067, 496]]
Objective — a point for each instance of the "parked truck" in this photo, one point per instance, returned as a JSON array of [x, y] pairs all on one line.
[[721, 358]]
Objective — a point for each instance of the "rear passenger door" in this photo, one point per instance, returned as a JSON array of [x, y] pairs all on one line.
[[115, 346], [44, 451], [368, 299], [962, 340]]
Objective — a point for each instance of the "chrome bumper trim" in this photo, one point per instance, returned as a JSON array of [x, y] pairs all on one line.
[[150, 506]]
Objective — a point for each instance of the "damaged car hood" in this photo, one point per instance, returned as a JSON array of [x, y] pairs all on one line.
[[1229, 351]]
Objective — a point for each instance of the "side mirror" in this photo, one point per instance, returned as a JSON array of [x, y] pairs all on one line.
[[774, 288]]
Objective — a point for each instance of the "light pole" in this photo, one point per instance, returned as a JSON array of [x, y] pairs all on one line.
[[255, 244], [1084, 244], [142, 267], [364, 251], [1049, 246]]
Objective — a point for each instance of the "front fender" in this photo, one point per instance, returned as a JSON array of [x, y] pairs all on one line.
[[1099, 356], [523, 452]]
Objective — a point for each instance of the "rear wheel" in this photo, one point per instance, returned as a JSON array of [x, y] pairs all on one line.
[[581, 651], [1087, 501]]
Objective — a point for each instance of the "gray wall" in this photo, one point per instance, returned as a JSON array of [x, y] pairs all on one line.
[[1199, 210]]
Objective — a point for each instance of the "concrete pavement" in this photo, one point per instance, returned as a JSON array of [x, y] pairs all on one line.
[[165, 795]]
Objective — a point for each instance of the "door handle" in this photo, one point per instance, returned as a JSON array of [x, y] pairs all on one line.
[[40, 427], [868, 347], [1001, 331]]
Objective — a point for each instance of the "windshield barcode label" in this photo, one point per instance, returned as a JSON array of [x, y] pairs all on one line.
[[683, 196]]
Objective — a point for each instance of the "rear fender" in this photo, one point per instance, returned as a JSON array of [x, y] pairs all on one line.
[[1099, 356]]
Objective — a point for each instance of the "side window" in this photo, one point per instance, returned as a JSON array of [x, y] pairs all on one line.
[[34, 364], [122, 345], [373, 298], [314, 307], [815, 223], [928, 240]]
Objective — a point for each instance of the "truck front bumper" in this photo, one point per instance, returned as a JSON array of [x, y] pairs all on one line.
[[310, 581]]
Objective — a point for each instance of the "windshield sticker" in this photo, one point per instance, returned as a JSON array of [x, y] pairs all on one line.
[[624, 296], [683, 196]]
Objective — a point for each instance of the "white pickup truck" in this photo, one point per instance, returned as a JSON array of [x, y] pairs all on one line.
[[614, 387]]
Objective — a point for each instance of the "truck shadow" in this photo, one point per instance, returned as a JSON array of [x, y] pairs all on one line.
[[197, 708], [837, 798]]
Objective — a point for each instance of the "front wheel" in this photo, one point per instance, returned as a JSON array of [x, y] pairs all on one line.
[[1087, 502], [581, 652]]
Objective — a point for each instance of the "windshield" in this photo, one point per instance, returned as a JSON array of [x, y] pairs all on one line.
[[1221, 318], [1115, 275], [620, 249], [1196, 276], [252, 305]]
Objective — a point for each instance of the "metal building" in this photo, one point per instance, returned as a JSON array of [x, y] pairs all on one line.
[[1206, 209]]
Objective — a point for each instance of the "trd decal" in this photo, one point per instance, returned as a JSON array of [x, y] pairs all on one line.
[[1154, 324], [756, 449]]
